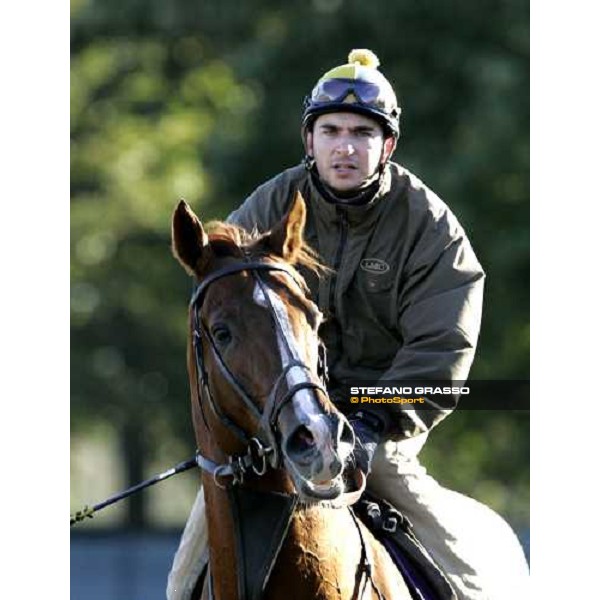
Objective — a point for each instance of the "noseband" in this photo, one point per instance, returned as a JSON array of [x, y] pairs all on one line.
[[265, 445]]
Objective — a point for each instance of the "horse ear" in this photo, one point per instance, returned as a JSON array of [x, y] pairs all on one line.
[[286, 238], [189, 241]]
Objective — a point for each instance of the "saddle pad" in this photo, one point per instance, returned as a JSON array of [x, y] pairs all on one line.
[[417, 584]]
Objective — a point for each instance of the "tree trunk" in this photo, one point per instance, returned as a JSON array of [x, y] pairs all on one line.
[[133, 450]]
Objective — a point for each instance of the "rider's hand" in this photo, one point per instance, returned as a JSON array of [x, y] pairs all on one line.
[[368, 430]]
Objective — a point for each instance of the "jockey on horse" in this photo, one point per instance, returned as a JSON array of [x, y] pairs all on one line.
[[402, 303]]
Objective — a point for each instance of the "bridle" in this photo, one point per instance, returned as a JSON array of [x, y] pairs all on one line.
[[259, 449], [263, 448]]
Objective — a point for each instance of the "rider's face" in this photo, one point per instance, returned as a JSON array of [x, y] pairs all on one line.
[[347, 149]]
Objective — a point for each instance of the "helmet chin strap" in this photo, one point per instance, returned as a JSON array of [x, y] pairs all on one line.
[[309, 162]]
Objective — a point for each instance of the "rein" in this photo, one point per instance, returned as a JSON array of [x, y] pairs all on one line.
[[87, 512]]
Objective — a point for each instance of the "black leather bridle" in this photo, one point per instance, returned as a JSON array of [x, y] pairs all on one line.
[[265, 446]]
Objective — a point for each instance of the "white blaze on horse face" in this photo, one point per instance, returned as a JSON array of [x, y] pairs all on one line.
[[289, 347], [307, 410]]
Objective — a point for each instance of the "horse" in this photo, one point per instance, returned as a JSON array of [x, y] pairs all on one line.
[[264, 423]]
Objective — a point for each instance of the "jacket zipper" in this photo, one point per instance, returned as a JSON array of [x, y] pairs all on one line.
[[338, 258]]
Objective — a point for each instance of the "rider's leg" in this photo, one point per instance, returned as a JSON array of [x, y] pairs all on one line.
[[192, 554], [473, 545]]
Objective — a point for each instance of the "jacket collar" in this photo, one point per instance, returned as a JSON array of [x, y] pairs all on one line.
[[358, 216]]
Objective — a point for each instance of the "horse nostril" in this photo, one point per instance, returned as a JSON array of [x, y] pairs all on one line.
[[300, 442]]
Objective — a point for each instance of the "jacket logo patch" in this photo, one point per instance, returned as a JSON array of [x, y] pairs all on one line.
[[374, 265]]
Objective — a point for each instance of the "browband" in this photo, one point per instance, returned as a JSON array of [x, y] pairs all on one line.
[[199, 293]]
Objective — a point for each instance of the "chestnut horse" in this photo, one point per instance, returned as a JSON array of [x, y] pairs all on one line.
[[263, 419]]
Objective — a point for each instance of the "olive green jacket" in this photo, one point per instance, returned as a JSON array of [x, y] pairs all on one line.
[[404, 299]]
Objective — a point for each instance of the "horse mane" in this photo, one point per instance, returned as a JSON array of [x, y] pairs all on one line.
[[227, 239]]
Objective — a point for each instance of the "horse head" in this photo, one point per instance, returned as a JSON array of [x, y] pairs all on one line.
[[254, 357]]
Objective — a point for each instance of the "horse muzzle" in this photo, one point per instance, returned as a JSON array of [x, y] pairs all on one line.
[[315, 451]]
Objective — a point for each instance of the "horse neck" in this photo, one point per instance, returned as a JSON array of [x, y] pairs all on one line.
[[323, 543], [221, 540], [323, 558], [219, 515]]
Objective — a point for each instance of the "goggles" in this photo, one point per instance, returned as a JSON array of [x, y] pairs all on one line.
[[367, 93]]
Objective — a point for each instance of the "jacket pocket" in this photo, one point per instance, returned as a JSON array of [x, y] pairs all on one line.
[[378, 303], [377, 283]]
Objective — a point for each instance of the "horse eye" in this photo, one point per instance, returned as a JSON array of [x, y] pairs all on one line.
[[221, 334]]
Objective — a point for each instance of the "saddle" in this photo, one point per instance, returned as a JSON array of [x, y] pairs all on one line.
[[261, 522], [422, 575]]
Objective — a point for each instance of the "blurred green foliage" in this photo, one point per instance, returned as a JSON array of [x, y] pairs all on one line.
[[202, 100]]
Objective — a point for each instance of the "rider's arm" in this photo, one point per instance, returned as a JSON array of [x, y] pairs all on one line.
[[439, 315], [267, 205]]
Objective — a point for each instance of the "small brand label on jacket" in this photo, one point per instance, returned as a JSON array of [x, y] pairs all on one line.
[[374, 265]]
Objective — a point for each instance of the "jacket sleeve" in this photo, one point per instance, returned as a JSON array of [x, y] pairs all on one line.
[[439, 316], [264, 207]]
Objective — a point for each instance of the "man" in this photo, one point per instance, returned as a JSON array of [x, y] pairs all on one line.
[[402, 303]]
